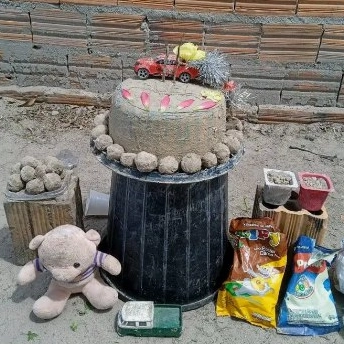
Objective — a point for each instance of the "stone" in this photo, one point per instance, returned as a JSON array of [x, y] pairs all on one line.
[[146, 162], [40, 170], [29, 161], [128, 159], [232, 143], [15, 183], [35, 186], [27, 173], [222, 153], [102, 119], [114, 151], [168, 165], [191, 163], [209, 160], [236, 133], [99, 130], [103, 141], [15, 169], [52, 181]]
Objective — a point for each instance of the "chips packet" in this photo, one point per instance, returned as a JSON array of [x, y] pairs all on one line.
[[308, 308], [252, 288]]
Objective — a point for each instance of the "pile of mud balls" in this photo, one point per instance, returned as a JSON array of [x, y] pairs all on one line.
[[147, 162], [36, 176]]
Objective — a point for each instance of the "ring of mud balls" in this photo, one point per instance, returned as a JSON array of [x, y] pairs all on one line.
[[147, 162], [36, 176]]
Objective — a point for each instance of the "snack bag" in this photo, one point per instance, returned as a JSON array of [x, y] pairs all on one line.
[[308, 307], [260, 257]]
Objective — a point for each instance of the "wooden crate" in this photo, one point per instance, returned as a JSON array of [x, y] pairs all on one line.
[[293, 222], [27, 219]]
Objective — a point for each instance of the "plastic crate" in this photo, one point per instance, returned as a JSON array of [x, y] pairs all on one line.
[[312, 198]]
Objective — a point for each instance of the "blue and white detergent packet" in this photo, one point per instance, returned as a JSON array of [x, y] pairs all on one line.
[[308, 308]]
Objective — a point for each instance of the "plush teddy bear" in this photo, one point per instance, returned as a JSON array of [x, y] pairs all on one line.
[[71, 256]]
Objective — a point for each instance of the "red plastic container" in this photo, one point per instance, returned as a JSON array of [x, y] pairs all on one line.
[[313, 198]]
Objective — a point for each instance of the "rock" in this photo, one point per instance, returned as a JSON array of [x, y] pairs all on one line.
[[114, 151], [103, 141], [54, 113], [15, 183], [128, 159], [35, 186], [29, 161], [27, 173], [232, 143], [234, 123], [146, 162], [236, 133], [99, 130], [40, 170], [53, 165], [101, 119], [168, 165], [191, 163], [209, 160], [222, 153], [15, 169], [52, 181]]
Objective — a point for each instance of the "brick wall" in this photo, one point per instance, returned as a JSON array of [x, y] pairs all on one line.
[[285, 51]]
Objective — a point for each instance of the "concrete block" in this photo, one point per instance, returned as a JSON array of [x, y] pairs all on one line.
[[27, 219]]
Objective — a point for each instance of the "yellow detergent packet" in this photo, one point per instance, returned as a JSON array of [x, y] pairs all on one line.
[[260, 257]]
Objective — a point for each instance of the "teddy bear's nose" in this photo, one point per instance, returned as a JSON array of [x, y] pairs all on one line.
[[76, 265]]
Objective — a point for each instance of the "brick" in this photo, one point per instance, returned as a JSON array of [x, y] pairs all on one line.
[[290, 43], [224, 6], [321, 8], [264, 7], [14, 25], [120, 33], [332, 44], [27, 219], [234, 39], [292, 220], [174, 32], [58, 27], [153, 4]]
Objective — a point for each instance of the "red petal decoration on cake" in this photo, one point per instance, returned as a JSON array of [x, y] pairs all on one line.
[[145, 99], [126, 94], [186, 103], [207, 105], [165, 102]]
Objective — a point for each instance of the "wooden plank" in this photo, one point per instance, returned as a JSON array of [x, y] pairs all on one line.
[[162, 32], [265, 7], [116, 31], [222, 6], [290, 43], [321, 8], [332, 44], [58, 27], [153, 4], [234, 39], [14, 25]]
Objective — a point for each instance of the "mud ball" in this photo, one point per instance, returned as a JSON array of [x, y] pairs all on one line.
[[222, 153], [102, 119], [114, 152], [128, 159], [146, 162], [15, 183], [99, 130], [27, 173], [52, 181], [209, 160], [15, 169], [235, 133], [29, 161], [53, 165], [191, 163], [103, 142], [234, 123], [35, 186], [168, 165], [40, 170], [232, 143]]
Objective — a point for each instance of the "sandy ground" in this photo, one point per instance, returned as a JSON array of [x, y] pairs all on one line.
[[43, 130]]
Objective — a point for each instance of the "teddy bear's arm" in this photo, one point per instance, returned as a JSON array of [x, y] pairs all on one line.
[[27, 274], [110, 264]]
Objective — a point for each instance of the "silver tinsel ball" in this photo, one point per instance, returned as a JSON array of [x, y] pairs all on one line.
[[214, 69]]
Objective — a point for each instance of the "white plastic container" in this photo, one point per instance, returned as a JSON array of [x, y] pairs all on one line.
[[97, 204], [278, 186]]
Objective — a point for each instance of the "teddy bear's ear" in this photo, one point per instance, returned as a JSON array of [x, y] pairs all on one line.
[[93, 236], [36, 242]]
